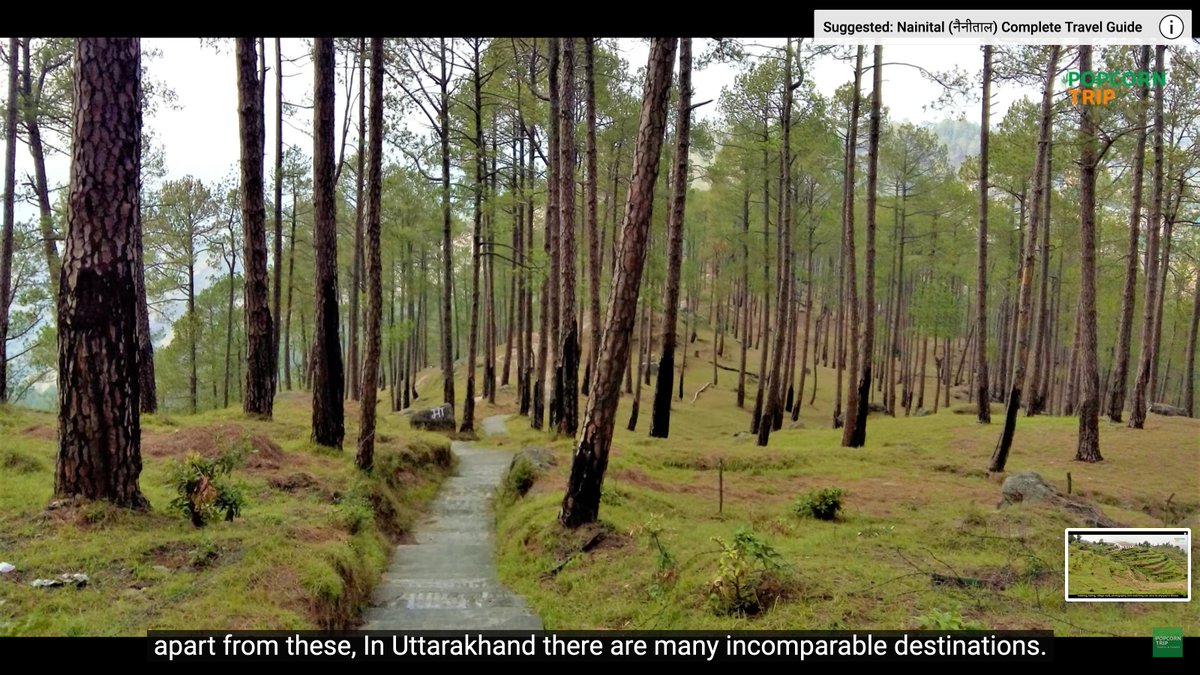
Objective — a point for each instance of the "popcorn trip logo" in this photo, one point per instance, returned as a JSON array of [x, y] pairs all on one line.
[[1100, 87]]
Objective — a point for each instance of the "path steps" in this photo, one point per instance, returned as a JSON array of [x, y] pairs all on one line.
[[446, 579]]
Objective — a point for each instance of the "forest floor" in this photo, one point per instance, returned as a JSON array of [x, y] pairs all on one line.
[[312, 541], [920, 542]]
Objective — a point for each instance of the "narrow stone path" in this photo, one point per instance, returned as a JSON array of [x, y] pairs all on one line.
[[447, 580]]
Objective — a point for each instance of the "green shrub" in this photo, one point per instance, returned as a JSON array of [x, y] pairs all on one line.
[[202, 485], [749, 575], [941, 620], [518, 480], [822, 504]]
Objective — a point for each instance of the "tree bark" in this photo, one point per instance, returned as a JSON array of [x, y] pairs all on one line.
[[447, 350], [31, 100], [981, 372], [328, 415], [855, 433], [773, 413], [287, 317], [567, 386], [660, 416], [353, 357], [10, 186], [260, 336], [277, 259], [744, 301], [365, 457], [849, 271], [1137, 411], [595, 253], [99, 421], [1189, 378], [581, 503], [1120, 371], [468, 415], [1089, 379], [1023, 329]]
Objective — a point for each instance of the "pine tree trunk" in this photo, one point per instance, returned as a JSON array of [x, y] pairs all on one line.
[[31, 107], [447, 350], [468, 413], [553, 213], [595, 252], [326, 377], [855, 434], [660, 417], [365, 457], [1189, 377], [581, 503], [981, 373], [277, 259], [567, 383], [1089, 378], [10, 186], [1141, 386], [259, 394], [99, 421], [744, 303], [1023, 329], [353, 358], [287, 317], [765, 312], [849, 271], [773, 413], [1036, 401]]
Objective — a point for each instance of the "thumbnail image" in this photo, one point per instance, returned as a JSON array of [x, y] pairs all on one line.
[[1128, 565]]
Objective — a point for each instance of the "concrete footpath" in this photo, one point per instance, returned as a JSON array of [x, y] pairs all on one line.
[[446, 580]]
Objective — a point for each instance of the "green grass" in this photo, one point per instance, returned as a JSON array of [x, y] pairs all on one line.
[[918, 508], [313, 539], [1100, 569]]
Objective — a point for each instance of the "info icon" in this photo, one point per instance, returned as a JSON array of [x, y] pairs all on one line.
[[1170, 26]]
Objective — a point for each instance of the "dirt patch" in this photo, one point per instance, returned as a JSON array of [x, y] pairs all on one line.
[[294, 482], [211, 440], [179, 555], [42, 432]]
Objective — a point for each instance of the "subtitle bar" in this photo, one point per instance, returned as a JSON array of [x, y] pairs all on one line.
[[1099, 27]]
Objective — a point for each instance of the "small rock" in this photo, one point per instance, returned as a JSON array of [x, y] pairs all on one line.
[[876, 408], [1027, 486], [742, 436], [78, 580], [540, 458], [162, 569], [5, 568], [921, 412]]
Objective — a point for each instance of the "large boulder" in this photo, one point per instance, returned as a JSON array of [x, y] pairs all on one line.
[[440, 418], [1030, 487], [1167, 410]]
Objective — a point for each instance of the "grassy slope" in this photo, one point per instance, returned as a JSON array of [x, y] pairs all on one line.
[[304, 554], [918, 501], [1094, 570]]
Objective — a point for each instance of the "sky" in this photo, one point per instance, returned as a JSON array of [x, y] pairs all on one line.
[[200, 130], [1154, 539]]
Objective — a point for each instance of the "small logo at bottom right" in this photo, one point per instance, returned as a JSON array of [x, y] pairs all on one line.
[[1168, 642]]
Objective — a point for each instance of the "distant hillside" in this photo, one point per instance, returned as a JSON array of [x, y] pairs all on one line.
[[1096, 568], [960, 137]]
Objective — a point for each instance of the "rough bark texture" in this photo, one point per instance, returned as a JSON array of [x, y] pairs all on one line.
[[855, 433], [773, 412], [260, 336], [1120, 371], [1025, 290], [365, 457], [553, 188], [1189, 378], [447, 350], [468, 412], [10, 184], [849, 271], [744, 301], [595, 255], [981, 371], [353, 357], [1089, 379], [567, 384], [581, 503], [277, 258], [1141, 385], [660, 416], [326, 376], [99, 421]]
